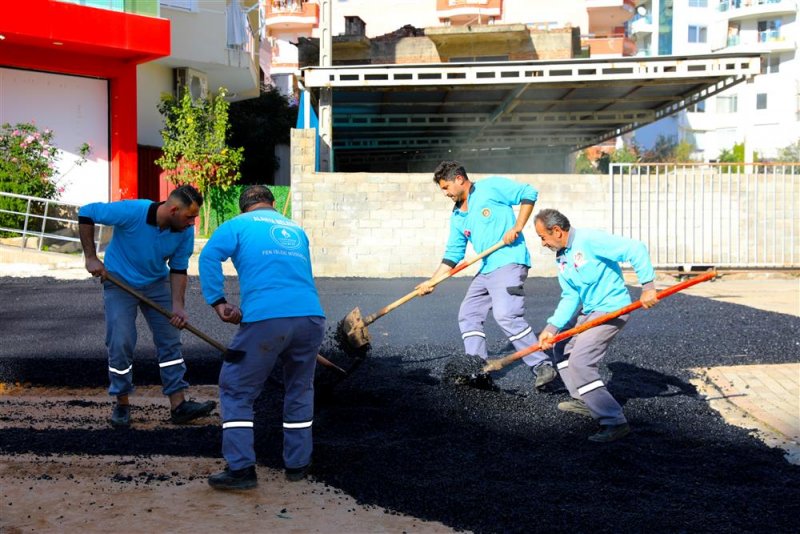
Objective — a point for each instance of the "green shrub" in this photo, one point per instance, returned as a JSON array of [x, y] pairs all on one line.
[[225, 203]]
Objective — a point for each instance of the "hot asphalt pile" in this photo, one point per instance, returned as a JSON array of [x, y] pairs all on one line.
[[395, 434]]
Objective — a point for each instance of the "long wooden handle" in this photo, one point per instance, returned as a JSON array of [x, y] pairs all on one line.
[[496, 365], [199, 333], [460, 267], [165, 312]]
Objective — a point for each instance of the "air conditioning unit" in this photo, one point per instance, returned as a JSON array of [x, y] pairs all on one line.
[[194, 81]]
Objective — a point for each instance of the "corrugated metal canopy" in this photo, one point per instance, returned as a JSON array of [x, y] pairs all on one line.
[[382, 112]]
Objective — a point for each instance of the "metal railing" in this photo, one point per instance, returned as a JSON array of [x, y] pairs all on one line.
[[44, 220], [724, 215]]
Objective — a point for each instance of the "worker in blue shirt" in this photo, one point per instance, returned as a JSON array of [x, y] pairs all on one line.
[[483, 215], [280, 318], [147, 237], [591, 281]]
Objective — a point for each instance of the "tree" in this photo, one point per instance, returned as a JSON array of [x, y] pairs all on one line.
[[583, 164], [258, 125], [195, 145], [790, 153], [663, 150]]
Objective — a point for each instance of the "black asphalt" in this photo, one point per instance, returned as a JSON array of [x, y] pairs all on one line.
[[394, 435]]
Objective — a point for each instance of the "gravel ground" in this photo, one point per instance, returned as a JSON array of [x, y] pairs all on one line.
[[394, 435]]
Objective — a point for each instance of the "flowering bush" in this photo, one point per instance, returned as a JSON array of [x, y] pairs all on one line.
[[28, 167]]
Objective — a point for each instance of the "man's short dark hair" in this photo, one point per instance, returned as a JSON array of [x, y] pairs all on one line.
[[551, 218], [448, 170], [255, 194], [187, 195]]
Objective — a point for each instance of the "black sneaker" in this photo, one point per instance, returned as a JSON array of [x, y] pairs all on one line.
[[610, 433], [575, 406], [189, 410], [234, 479], [120, 416], [295, 474], [544, 374]]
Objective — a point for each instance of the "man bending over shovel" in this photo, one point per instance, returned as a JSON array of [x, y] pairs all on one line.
[[483, 215], [281, 319], [148, 236], [590, 277]]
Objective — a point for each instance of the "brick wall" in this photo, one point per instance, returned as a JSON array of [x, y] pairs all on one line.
[[393, 225]]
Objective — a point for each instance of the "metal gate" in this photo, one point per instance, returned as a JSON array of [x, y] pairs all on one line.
[[722, 215]]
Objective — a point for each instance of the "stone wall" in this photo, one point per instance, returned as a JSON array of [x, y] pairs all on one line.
[[394, 225]]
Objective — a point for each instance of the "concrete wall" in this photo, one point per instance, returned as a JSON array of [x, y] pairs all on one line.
[[396, 224]]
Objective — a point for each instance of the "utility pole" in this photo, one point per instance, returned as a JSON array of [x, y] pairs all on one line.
[[326, 93]]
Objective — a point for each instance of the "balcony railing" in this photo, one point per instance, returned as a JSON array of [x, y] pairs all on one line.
[[732, 5], [292, 13]]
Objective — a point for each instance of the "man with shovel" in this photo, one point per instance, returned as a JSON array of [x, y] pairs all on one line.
[[591, 280], [483, 215], [281, 319], [147, 237]]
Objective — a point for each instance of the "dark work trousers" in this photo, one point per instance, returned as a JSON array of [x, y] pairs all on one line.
[[501, 291], [293, 340], [120, 310], [580, 370]]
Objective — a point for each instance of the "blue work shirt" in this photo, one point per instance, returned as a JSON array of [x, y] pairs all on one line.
[[270, 253], [590, 275], [489, 215], [139, 250]]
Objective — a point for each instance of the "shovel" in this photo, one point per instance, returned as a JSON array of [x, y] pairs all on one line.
[[353, 328], [497, 364], [199, 333]]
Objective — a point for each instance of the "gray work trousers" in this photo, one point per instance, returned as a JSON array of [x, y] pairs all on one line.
[[502, 292], [580, 370]]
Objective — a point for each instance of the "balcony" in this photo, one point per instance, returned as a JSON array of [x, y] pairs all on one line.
[[767, 41], [461, 12], [291, 15], [745, 9], [613, 45], [604, 15]]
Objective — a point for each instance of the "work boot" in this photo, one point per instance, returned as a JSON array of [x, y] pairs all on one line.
[[609, 433], [544, 374], [189, 410], [296, 474], [234, 479], [575, 406], [121, 416]]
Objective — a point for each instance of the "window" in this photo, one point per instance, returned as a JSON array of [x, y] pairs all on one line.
[[698, 34], [698, 3], [727, 104], [186, 5], [761, 101], [771, 65], [769, 30]]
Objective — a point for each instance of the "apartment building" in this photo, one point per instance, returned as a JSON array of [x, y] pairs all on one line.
[[599, 24], [763, 114], [93, 71]]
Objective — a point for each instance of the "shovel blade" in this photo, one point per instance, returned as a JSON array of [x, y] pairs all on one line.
[[353, 331]]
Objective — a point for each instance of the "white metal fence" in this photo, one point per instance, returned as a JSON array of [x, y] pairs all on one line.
[[49, 223], [722, 215]]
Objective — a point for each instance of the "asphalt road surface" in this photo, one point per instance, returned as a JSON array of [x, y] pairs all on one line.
[[504, 460]]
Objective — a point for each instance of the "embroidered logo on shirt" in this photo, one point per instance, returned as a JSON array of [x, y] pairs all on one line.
[[486, 212], [467, 233], [579, 260]]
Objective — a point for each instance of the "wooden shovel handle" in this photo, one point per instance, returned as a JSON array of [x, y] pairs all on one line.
[[460, 267], [165, 312], [496, 365], [199, 333]]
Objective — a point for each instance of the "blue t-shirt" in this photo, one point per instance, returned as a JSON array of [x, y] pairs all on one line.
[[489, 215], [139, 251], [270, 253], [590, 275]]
